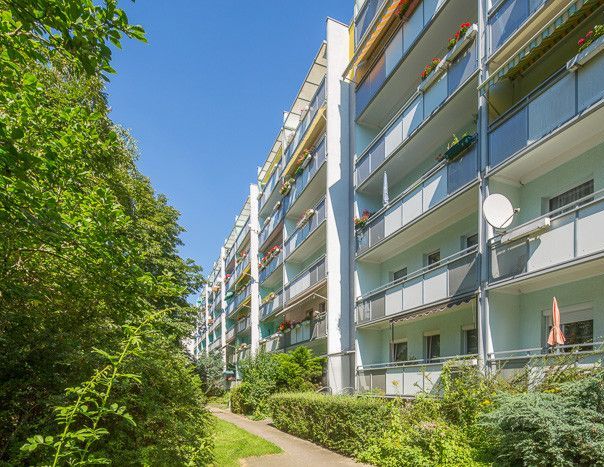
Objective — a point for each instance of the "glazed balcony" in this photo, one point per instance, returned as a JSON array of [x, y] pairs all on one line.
[[270, 274], [315, 105], [452, 277], [569, 236], [408, 378], [270, 308], [427, 194], [392, 75], [567, 107], [304, 235], [309, 178], [306, 280], [434, 113]]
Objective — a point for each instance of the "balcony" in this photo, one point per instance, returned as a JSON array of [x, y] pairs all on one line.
[[454, 276], [391, 77], [567, 106], [441, 105], [243, 325], [306, 331], [567, 236], [275, 219], [315, 105], [243, 354], [215, 345], [270, 308], [365, 17], [272, 268], [301, 234], [408, 378], [425, 195], [305, 280], [272, 343], [270, 187], [239, 299], [230, 334], [307, 177], [240, 268]]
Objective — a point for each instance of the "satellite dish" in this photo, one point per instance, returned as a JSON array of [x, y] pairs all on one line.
[[498, 211]]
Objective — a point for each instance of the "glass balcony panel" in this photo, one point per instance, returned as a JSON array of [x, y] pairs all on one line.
[[434, 189], [508, 138], [318, 158], [435, 94], [305, 280], [272, 307], [507, 19], [462, 68], [365, 17], [462, 171], [551, 108], [463, 275], [302, 233], [271, 267], [413, 27], [590, 88]]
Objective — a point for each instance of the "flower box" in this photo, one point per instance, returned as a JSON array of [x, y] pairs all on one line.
[[455, 151], [462, 43], [586, 54], [436, 70], [306, 160]]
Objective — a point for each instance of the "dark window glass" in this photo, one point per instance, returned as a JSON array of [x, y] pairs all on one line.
[[571, 196], [471, 338], [400, 274], [433, 258], [399, 352], [432, 347], [472, 240], [579, 332]]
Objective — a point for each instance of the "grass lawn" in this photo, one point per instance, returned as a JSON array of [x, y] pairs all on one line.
[[232, 443]]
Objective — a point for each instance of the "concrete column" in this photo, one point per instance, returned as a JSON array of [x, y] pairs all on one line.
[[254, 280], [339, 212], [223, 307]]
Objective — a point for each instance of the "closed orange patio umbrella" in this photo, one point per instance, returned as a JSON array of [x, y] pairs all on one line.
[[556, 337]]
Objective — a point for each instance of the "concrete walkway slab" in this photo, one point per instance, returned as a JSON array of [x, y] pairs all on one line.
[[296, 452]]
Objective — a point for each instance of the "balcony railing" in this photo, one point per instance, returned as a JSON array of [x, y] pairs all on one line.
[[276, 218], [393, 55], [315, 104], [272, 343], [453, 276], [574, 232], [306, 331], [507, 17], [406, 378], [364, 18], [243, 325], [239, 299], [309, 172], [425, 194], [271, 267], [241, 266], [305, 280], [215, 345], [230, 334], [303, 232], [565, 95], [272, 307], [418, 110], [270, 186]]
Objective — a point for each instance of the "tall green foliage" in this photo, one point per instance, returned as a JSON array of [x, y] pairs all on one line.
[[86, 246]]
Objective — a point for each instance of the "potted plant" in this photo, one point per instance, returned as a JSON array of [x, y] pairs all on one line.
[[590, 36], [284, 326], [461, 32], [360, 222], [305, 217], [286, 186], [429, 68], [277, 206]]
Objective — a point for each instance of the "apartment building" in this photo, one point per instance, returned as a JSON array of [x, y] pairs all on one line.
[[507, 105], [408, 120]]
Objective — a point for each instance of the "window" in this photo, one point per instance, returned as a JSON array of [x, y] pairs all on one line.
[[471, 240], [572, 195], [400, 274], [432, 259], [399, 351], [470, 337], [432, 347], [577, 326]]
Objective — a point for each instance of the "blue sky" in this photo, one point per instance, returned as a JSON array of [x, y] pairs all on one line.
[[205, 97]]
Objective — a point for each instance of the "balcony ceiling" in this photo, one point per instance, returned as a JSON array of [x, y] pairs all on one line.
[[241, 220]]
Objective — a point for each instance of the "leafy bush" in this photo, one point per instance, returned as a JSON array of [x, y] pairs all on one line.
[[341, 423], [266, 374], [209, 368], [562, 427]]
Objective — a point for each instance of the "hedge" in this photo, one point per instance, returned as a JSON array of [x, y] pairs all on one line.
[[340, 423]]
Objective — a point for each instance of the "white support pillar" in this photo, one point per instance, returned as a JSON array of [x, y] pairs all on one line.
[[223, 307], [340, 340], [254, 280], [206, 291]]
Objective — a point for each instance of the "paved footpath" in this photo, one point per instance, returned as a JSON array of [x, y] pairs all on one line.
[[296, 452]]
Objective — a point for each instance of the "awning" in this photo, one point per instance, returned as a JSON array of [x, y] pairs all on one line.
[[435, 310], [391, 12], [544, 40]]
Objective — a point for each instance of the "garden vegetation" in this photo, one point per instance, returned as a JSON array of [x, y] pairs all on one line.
[[543, 418], [93, 307]]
